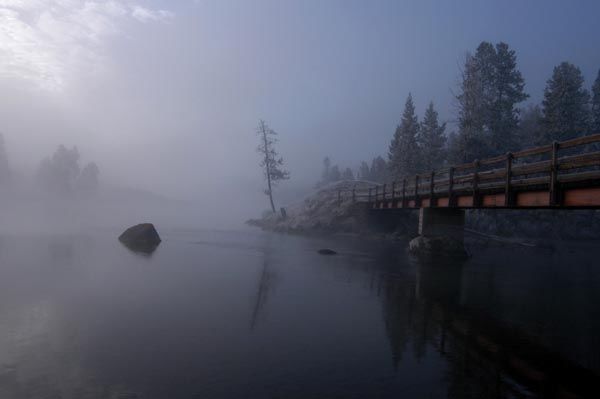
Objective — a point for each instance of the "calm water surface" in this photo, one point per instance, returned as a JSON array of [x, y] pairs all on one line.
[[258, 315]]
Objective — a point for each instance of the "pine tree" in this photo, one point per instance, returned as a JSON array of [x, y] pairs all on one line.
[[595, 119], [403, 153], [507, 91], [469, 143], [432, 140], [490, 90], [565, 106], [271, 161]]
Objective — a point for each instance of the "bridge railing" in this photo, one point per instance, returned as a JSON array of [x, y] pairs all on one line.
[[547, 167]]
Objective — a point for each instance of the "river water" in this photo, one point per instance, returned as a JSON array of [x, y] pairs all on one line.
[[257, 315]]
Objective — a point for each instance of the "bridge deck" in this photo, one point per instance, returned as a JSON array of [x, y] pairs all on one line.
[[560, 175]]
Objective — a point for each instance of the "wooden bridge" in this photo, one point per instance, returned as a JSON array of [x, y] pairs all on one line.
[[559, 175]]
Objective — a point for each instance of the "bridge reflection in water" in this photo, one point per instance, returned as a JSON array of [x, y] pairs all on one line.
[[504, 333]]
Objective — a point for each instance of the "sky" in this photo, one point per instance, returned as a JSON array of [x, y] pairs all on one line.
[[165, 95]]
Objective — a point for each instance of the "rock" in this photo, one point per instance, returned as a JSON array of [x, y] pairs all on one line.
[[141, 238], [327, 251], [439, 245]]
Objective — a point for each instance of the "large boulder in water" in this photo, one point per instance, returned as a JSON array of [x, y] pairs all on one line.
[[141, 238]]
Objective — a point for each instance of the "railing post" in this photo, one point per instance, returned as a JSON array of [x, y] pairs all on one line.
[[476, 184], [451, 187], [370, 195], [383, 192], [554, 199], [376, 194], [403, 193], [393, 193], [417, 205], [507, 188], [431, 190], [354, 193]]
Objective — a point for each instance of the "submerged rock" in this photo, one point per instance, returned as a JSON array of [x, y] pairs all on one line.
[[327, 251], [141, 238], [438, 245]]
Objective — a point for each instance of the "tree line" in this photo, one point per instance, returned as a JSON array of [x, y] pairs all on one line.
[[60, 174], [489, 118]]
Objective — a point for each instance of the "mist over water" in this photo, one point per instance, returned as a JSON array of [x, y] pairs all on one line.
[[120, 112], [224, 315]]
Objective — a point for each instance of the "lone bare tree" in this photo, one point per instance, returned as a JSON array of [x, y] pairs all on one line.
[[271, 162]]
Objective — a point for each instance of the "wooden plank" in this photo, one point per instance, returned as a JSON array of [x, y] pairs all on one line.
[[533, 151], [533, 199], [582, 197], [464, 201], [443, 202], [579, 177], [579, 161], [491, 161], [592, 138], [492, 200], [531, 168]]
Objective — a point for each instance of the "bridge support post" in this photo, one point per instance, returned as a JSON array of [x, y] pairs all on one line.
[[441, 232]]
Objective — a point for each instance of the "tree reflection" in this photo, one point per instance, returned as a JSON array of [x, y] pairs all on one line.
[[266, 282], [486, 358]]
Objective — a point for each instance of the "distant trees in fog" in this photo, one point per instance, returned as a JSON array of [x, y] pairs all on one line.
[[378, 171], [61, 174], [271, 162]]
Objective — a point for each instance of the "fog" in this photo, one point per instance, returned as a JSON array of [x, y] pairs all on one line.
[[165, 96]]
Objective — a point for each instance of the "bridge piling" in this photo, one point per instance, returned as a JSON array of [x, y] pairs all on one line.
[[441, 232]]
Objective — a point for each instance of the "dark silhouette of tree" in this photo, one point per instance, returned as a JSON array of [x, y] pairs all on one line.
[[565, 106], [490, 90], [271, 162], [507, 91], [595, 119], [403, 153], [469, 143], [432, 140]]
